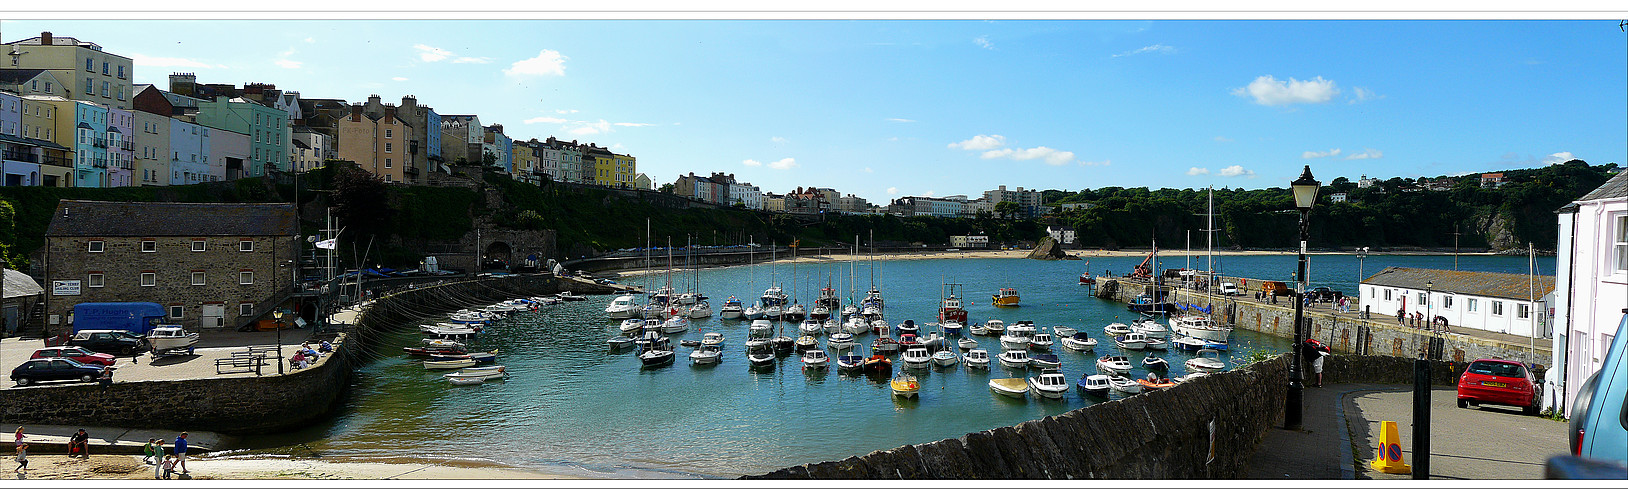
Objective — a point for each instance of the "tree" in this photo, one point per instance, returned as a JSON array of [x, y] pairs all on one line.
[[1007, 209], [361, 201], [666, 188]]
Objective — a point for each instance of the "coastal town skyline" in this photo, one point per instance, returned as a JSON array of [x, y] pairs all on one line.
[[885, 109]]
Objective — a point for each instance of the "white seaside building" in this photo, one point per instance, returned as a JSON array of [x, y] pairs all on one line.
[[1496, 302], [1591, 262]]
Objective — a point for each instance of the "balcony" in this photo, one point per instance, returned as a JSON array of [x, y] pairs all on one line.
[[127, 145], [98, 163], [99, 142], [58, 161], [22, 156]]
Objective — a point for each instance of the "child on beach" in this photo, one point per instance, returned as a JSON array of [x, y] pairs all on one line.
[[148, 456], [169, 467], [22, 458]]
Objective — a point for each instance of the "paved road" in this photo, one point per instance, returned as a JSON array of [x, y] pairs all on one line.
[[1480, 442]]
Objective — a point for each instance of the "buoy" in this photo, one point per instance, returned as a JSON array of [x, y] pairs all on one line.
[[1390, 451]]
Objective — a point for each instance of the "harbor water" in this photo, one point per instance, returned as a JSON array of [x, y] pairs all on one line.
[[572, 406]]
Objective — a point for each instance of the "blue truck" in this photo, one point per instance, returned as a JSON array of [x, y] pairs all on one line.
[[135, 317]]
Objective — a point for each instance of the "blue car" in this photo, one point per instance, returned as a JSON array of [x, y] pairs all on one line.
[[39, 370], [1600, 417]]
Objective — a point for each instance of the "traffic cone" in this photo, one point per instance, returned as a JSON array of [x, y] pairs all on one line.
[[1390, 451]]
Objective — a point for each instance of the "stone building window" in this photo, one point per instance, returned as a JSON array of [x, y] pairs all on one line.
[[95, 246], [198, 277], [245, 309], [149, 279], [177, 312], [199, 245], [245, 246], [245, 278], [94, 280], [149, 245]]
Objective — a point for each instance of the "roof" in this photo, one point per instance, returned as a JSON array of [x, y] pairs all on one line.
[[1494, 175], [20, 285], [116, 218], [28, 141], [18, 76], [1615, 187], [1500, 285]]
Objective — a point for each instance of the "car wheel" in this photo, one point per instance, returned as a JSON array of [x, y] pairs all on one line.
[[1531, 410], [86, 378], [22, 382], [126, 350], [1463, 403]]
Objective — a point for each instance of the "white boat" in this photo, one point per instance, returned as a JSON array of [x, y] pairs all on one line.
[[977, 329], [442, 343], [810, 327], [856, 325], [486, 372], [908, 327], [841, 340], [1131, 341], [1157, 344], [1124, 384], [1208, 361], [701, 309], [1014, 342], [707, 354], [1096, 384], [814, 359], [632, 325], [1050, 384], [772, 313], [164, 338], [967, 343], [1009, 387], [945, 358], [754, 312], [652, 325], [1114, 364], [916, 357], [1149, 327], [795, 312], [807, 342], [1203, 327], [712, 338], [1189, 343], [820, 313], [1189, 377], [1041, 341], [1023, 328], [1155, 363], [467, 380], [994, 327], [675, 323], [761, 356], [1016, 360], [732, 309], [567, 295], [687, 298], [1078, 341], [1116, 329], [761, 327], [951, 327], [449, 364], [653, 311], [620, 342], [880, 326], [976, 358], [1044, 361], [831, 325]]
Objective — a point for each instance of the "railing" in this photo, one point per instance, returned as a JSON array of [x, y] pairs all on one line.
[[58, 161], [127, 145], [98, 163], [21, 156], [99, 142]]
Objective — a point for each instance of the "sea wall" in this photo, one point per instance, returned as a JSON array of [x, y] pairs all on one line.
[[1204, 429]]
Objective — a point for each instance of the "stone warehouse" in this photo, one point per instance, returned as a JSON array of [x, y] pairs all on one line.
[[212, 266]]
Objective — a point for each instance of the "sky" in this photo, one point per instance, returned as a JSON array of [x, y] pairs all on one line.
[[889, 108]]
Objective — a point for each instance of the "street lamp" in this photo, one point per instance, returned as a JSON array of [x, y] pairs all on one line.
[[277, 316], [1305, 194], [1430, 317]]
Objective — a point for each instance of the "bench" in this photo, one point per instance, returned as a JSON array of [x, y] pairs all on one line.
[[240, 362]]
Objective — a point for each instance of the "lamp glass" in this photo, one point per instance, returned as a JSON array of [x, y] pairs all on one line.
[[1305, 189]]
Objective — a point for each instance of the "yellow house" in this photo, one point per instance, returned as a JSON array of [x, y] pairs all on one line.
[[525, 163], [604, 164], [86, 72], [40, 115], [627, 173]]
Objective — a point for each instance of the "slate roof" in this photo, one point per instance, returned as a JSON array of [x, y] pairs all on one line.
[[20, 285], [1615, 187], [135, 219], [1500, 285], [18, 76]]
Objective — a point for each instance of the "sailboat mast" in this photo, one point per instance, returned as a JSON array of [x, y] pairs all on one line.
[[1209, 244]]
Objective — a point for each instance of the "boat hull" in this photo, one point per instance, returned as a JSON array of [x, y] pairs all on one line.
[[1016, 388]]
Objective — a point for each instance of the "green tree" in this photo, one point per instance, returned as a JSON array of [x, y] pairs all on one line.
[[1007, 209]]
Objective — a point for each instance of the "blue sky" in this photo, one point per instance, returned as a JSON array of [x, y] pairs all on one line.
[[883, 109]]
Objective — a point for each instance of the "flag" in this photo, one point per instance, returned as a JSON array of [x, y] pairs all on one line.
[[327, 244]]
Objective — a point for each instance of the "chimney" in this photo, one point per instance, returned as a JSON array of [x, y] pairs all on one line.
[[45, 38], [355, 112]]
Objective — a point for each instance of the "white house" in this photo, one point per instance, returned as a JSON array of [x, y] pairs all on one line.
[[1495, 302], [970, 241], [1592, 274]]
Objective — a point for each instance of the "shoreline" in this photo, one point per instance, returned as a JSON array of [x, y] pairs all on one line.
[[130, 467]]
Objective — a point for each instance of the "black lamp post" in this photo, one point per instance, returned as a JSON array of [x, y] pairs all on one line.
[[1430, 318], [277, 316], [1305, 194]]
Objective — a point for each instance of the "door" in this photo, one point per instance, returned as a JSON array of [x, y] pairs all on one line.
[[214, 316], [12, 317]]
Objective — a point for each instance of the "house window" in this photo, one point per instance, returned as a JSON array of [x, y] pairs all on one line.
[[245, 246], [387, 162], [198, 277], [1523, 311], [1387, 294], [148, 245], [1421, 297], [106, 68], [388, 147], [95, 280], [1497, 308], [199, 245], [176, 312], [149, 279], [245, 309], [104, 89], [1619, 245], [1447, 302], [95, 246], [90, 86], [121, 71], [90, 65], [245, 278]]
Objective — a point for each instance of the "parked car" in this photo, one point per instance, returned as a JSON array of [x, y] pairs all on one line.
[[1501, 382], [37, 370], [1600, 416], [109, 341], [1230, 289], [75, 353], [1324, 294]]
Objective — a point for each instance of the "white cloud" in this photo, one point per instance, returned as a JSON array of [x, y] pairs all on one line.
[[169, 62], [629, 124], [547, 62], [1363, 94], [1160, 48], [892, 191], [1234, 171], [590, 128], [310, 40], [983, 41], [1051, 156], [1561, 157], [543, 119], [752, 163], [1366, 154], [783, 163], [431, 54], [901, 120], [472, 60], [928, 194], [1269, 91], [565, 111], [980, 142], [1103, 163], [778, 140], [1319, 154], [869, 171], [1198, 171], [399, 78], [1222, 139]]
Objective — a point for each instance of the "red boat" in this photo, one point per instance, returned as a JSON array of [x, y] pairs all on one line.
[[878, 364], [949, 308]]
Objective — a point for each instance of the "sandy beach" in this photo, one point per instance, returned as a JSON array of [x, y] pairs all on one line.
[[131, 467]]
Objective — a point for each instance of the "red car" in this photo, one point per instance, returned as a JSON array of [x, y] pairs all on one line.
[[79, 354], [1501, 382]]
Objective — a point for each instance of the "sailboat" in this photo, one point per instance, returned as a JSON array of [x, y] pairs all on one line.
[[755, 311], [699, 307], [1204, 326]]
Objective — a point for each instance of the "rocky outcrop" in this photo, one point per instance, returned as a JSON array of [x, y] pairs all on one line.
[[1048, 249]]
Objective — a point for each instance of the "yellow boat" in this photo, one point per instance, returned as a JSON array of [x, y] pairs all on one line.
[[1010, 387], [1008, 297], [905, 386]]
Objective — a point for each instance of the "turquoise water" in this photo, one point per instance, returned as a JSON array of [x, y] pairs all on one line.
[[574, 407]]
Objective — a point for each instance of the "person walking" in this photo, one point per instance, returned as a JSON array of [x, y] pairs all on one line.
[[107, 376], [158, 460], [181, 452], [22, 458], [147, 452], [19, 442]]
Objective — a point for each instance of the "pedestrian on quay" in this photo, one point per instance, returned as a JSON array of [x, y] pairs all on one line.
[[181, 452], [1314, 352], [1399, 315], [107, 377], [158, 460]]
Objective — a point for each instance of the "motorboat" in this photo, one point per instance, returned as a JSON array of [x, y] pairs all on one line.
[[761, 357], [856, 325], [571, 297], [451, 364], [442, 343], [1124, 384], [880, 326], [690, 343], [794, 312], [977, 329], [623, 307], [831, 324], [877, 364], [1016, 360], [1117, 329], [660, 353], [477, 357], [632, 325], [886, 345], [426, 351], [1009, 387], [676, 324], [1006, 297], [1155, 363], [712, 338], [760, 327], [663, 297], [951, 327], [650, 340], [966, 343], [1131, 341], [754, 312], [819, 313], [905, 386], [826, 304], [938, 343], [688, 298], [1154, 384], [701, 309], [908, 327], [1156, 344], [1114, 364], [807, 342], [1189, 377], [171, 338], [916, 358], [1050, 384], [1148, 305], [1095, 384], [1147, 326], [946, 358], [466, 380], [1023, 328], [652, 325], [732, 309], [1208, 361], [976, 358], [774, 296], [1189, 343], [1041, 341], [950, 309], [485, 372], [1211, 344], [1086, 279], [850, 362], [815, 359], [653, 311], [810, 327], [994, 328], [620, 342], [783, 344], [840, 340], [1045, 361], [1014, 342], [1079, 341], [772, 312], [1201, 326]]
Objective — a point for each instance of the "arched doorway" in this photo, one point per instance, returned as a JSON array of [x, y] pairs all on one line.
[[496, 256]]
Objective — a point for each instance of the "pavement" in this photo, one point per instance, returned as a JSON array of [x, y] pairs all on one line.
[[1340, 436]]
